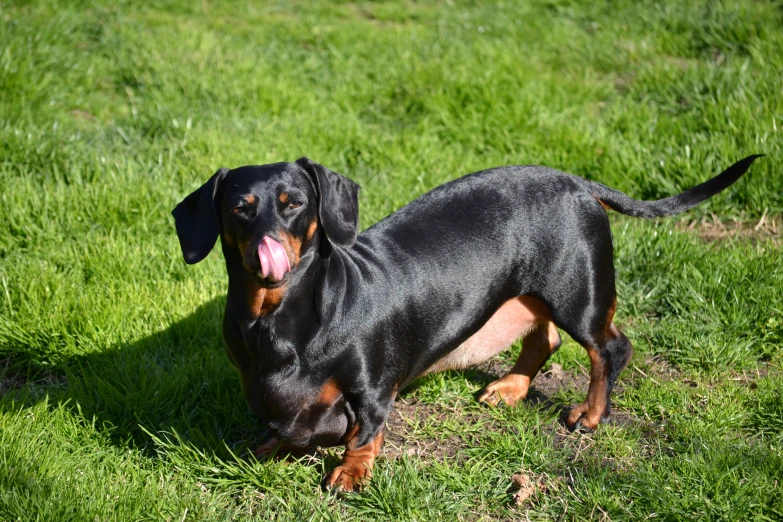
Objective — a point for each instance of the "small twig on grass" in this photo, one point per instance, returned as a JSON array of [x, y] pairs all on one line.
[[580, 448], [647, 376], [563, 514], [718, 222], [763, 218]]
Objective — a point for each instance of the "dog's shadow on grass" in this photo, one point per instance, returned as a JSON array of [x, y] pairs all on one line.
[[175, 384]]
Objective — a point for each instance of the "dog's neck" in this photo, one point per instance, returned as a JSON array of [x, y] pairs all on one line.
[[282, 320], [252, 299]]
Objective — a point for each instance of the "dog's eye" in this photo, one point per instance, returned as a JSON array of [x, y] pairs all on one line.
[[295, 204]]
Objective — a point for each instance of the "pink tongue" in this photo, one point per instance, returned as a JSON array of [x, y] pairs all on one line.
[[274, 260]]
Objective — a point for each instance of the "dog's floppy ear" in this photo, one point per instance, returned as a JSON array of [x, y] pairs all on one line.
[[338, 202], [197, 221]]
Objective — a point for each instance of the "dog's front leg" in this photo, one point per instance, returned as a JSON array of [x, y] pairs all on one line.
[[355, 470], [363, 444]]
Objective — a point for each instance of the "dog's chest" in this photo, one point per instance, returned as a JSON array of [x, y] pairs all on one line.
[[293, 400]]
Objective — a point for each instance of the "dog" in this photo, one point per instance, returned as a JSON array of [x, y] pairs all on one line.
[[326, 325]]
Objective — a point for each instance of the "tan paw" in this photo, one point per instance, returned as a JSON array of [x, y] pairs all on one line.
[[346, 479], [510, 389], [582, 417]]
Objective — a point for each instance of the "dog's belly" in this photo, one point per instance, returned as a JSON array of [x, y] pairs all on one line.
[[514, 319]]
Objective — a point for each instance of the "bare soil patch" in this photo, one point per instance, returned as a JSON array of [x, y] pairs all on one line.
[[711, 229], [403, 437], [400, 439]]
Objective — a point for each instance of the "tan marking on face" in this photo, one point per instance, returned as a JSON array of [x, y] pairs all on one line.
[[311, 229], [251, 200], [283, 197], [228, 239], [291, 244], [330, 392], [260, 300]]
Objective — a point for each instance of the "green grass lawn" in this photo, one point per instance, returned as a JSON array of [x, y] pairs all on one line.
[[117, 401]]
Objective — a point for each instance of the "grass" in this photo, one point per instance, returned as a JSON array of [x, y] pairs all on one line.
[[116, 399]]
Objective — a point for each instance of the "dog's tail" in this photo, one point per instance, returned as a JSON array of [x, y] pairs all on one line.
[[616, 200]]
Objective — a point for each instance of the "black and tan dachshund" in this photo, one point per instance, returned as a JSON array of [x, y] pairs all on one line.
[[326, 325]]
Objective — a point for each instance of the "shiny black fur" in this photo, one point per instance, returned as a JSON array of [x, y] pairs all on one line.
[[371, 312]]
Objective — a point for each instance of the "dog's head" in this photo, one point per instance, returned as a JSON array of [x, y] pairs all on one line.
[[268, 216]]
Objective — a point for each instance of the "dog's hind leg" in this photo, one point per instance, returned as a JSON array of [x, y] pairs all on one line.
[[587, 316], [582, 301], [609, 354], [537, 347]]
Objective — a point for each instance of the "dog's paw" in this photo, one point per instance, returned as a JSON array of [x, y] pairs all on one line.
[[583, 419], [346, 479], [510, 390]]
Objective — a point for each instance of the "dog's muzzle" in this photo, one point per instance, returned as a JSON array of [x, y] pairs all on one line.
[[274, 260]]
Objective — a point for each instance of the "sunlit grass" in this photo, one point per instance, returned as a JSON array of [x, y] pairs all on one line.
[[116, 399]]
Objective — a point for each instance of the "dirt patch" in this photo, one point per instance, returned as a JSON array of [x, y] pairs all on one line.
[[549, 383], [404, 426], [371, 17], [711, 229], [79, 114], [749, 377], [406, 418], [411, 422], [405, 422]]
